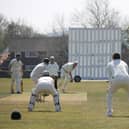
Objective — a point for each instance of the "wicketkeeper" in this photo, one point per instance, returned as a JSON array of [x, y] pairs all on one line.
[[45, 85], [38, 70]]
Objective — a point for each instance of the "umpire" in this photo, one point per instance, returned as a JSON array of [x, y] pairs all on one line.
[[53, 69]]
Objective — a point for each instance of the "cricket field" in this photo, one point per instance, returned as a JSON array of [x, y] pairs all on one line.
[[83, 107]]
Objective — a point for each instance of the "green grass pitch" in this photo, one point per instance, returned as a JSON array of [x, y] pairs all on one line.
[[83, 107]]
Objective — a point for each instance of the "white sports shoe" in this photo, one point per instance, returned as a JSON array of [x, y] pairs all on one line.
[[109, 113], [58, 108], [30, 109]]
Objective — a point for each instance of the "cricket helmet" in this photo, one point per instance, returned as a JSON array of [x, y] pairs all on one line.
[[15, 115], [46, 60]]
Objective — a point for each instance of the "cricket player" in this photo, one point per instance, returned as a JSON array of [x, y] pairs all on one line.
[[66, 74], [38, 70], [53, 69], [45, 85], [16, 70], [118, 78]]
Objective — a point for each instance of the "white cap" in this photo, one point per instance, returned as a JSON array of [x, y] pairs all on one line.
[[52, 57], [18, 53], [76, 62]]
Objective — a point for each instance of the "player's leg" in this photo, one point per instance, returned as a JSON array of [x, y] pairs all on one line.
[[51, 89], [61, 80], [109, 103], [12, 83], [22, 89], [12, 86], [111, 90], [55, 82], [18, 84], [57, 102], [21, 75], [64, 86], [32, 100], [65, 83]]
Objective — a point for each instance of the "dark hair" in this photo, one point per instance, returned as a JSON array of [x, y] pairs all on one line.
[[116, 56], [46, 60], [18, 55]]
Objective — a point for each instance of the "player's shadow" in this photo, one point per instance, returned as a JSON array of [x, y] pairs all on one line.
[[43, 111], [3, 95], [70, 92], [120, 116]]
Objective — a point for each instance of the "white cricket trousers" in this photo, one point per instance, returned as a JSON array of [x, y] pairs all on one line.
[[16, 77], [114, 85], [44, 88], [65, 78]]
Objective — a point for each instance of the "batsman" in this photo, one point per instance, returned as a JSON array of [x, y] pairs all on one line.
[[16, 71]]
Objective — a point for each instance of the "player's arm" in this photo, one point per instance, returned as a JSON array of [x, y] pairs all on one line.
[[109, 72], [36, 73], [57, 67], [127, 68], [23, 68], [10, 65]]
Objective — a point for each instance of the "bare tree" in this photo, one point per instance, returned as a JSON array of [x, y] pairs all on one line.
[[60, 29], [59, 25], [3, 22], [3, 26], [97, 14], [16, 29]]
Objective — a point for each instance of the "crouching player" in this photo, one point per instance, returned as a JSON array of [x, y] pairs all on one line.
[[45, 85]]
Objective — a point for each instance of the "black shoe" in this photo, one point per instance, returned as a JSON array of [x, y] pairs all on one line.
[[12, 91], [18, 92]]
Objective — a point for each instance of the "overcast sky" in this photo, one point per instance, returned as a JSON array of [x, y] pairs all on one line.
[[40, 14]]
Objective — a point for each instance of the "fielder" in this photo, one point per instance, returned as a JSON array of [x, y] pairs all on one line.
[[118, 78], [16, 70], [66, 74], [45, 85], [38, 70]]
